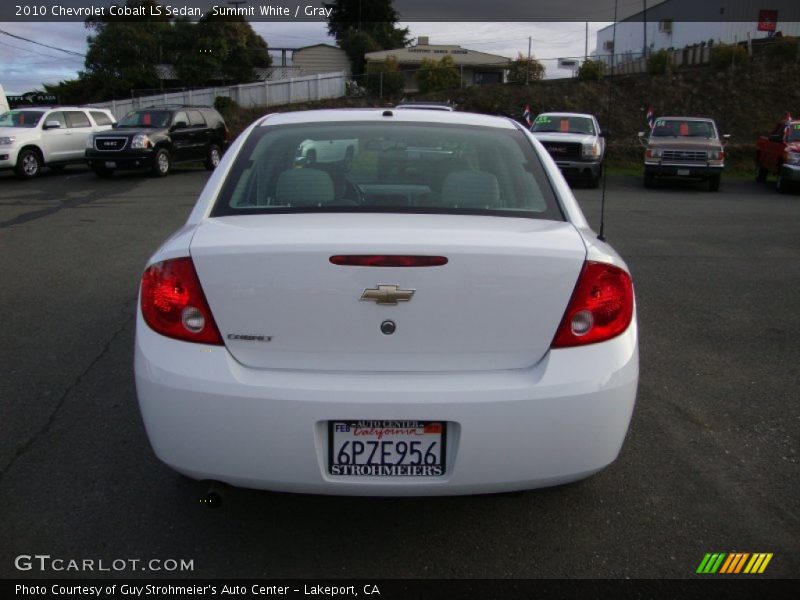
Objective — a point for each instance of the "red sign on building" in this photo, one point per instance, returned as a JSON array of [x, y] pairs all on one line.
[[767, 20]]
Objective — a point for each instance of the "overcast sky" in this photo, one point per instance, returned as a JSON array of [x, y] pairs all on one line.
[[25, 66]]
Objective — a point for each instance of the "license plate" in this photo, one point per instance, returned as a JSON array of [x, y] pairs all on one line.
[[387, 448], [683, 172], [111, 164]]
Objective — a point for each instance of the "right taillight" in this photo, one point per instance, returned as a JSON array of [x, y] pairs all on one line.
[[174, 305], [601, 306]]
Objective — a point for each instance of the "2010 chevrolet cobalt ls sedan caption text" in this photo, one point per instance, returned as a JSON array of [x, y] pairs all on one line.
[[428, 314]]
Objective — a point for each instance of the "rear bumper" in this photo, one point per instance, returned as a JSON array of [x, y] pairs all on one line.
[[209, 417], [683, 170]]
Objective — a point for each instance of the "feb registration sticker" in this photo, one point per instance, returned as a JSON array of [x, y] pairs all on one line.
[[387, 448]]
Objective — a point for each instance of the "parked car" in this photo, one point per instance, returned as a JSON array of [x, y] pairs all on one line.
[[312, 152], [158, 138], [778, 153], [439, 327], [684, 147], [447, 106], [576, 143], [36, 137]]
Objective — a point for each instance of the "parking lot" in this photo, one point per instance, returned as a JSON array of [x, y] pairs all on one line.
[[711, 462]]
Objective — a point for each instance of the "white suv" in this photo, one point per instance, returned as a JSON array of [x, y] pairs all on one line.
[[34, 137]]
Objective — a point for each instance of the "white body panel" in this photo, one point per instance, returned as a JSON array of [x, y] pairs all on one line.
[[270, 275]]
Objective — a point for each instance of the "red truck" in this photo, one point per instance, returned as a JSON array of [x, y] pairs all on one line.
[[779, 153]]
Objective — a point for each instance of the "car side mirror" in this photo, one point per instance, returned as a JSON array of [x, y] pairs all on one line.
[[605, 133], [180, 125], [52, 125]]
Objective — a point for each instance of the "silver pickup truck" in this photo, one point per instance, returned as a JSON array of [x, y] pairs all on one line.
[[576, 143]]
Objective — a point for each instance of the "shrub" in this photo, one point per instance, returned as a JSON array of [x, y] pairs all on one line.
[[591, 70], [725, 55], [436, 76], [384, 79], [659, 62], [522, 70], [782, 50], [225, 106]]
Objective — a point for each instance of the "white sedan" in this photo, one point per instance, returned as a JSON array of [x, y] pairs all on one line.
[[435, 318]]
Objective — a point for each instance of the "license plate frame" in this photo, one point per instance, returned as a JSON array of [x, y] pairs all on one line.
[[110, 164], [375, 434], [684, 172]]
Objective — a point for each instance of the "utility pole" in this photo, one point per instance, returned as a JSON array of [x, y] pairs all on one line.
[[586, 46], [528, 64], [644, 29]]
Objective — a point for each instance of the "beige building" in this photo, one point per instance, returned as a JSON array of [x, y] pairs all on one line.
[[320, 58], [475, 68]]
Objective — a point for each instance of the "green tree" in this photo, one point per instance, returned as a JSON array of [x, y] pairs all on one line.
[[122, 54], [361, 26], [525, 70], [436, 76], [217, 48], [591, 70], [384, 79]]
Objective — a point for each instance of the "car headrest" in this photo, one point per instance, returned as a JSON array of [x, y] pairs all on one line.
[[471, 189], [304, 187]]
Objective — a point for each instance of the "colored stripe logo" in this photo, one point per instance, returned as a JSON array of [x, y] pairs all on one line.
[[731, 563]]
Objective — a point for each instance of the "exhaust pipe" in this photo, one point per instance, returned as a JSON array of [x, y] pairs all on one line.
[[214, 495]]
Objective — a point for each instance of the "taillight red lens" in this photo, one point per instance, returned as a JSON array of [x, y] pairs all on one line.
[[173, 303], [387, 260], [601, 306]]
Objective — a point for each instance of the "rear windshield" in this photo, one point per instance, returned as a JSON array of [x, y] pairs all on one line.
[[20, 118], [683, 128], [387, 167], [563, 124]]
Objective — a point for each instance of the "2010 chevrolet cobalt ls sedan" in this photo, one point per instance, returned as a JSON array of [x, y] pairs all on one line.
[[429, 314]]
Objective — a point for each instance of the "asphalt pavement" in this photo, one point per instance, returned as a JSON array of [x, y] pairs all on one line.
[[711, 462]]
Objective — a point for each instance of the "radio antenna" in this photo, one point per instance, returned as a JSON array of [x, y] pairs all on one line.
[[601, 236]]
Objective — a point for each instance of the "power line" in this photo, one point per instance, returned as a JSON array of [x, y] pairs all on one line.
[[38, 53], [19, 37]]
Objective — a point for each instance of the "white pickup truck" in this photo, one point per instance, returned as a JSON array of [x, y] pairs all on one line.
[[326, 151], [576, 143]]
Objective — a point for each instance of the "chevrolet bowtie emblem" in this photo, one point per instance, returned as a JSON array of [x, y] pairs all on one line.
[[387, 294]]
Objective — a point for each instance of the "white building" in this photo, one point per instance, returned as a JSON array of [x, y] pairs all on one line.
[[475, 68], [320, 58], [719, 21]]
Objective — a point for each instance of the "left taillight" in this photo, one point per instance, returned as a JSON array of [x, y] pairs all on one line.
[[174, 305], [601, 306]]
